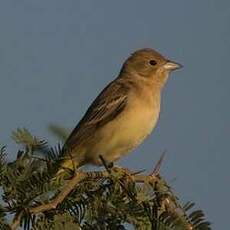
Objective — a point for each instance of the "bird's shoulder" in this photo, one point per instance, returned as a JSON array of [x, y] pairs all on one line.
[[110, 101], [106, 107]]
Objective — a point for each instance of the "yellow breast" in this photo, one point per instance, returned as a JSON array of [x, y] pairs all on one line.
[[129, 129], [138, 122]]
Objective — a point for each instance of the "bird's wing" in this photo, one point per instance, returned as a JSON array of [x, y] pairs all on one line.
[[106, 107]]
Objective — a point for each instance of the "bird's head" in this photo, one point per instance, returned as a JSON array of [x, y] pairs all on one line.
[[149, 65]]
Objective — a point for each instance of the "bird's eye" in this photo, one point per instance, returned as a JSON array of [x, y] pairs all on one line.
[[152, 62]]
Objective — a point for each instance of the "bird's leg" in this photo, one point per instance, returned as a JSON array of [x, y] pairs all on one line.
[[110, 165]]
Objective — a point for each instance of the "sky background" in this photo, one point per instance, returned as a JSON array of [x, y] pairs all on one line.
[[56, 56]]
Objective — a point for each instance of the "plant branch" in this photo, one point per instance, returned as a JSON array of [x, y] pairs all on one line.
[[78, 177]]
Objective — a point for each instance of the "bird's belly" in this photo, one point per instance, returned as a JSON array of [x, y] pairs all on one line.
[[133, 130], [126, 133]]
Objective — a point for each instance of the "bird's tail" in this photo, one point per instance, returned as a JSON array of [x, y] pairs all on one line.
[[69, 164]]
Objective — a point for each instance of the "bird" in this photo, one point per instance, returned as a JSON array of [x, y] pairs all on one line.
[[123, 114]]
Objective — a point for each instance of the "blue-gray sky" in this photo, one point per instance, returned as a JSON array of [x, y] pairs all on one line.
[[55, 57]]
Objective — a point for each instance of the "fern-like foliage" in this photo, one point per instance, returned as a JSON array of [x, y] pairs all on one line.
[[59, 132], [112, 199]]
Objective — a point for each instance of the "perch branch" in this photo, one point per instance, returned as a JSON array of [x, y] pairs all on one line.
[[80, 176]]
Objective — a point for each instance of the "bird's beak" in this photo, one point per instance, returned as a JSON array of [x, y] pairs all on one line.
[[170, 65]]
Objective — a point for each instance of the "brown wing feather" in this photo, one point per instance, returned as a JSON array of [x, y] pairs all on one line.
[[108, 105]]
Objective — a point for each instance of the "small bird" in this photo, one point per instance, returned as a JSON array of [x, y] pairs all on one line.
[[123, 114]]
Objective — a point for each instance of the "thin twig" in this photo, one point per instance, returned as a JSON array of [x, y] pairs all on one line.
[[63, 194], [17, 220], [156, 170]]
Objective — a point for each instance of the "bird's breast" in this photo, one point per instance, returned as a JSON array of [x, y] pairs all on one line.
[[128, 129], [140, 119], [133, 125]]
